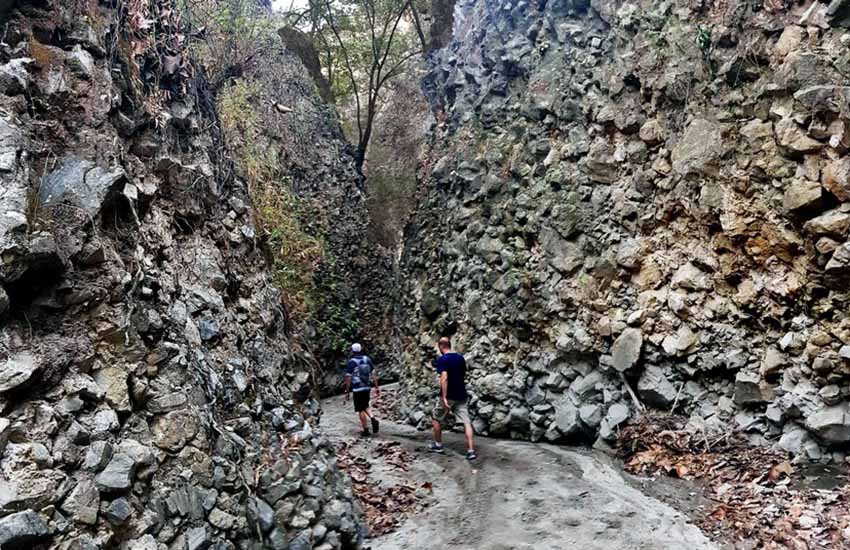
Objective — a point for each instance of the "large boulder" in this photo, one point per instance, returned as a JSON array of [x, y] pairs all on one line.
[[17, 370], [22, 530], [80, 183], [654, 388], [832, 424]]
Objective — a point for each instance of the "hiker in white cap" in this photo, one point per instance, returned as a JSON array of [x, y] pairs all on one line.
[[359, 378]]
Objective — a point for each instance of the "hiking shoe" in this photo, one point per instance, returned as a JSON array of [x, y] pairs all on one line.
[[436, 448], [471, 455], [365, 433], [375, 425]]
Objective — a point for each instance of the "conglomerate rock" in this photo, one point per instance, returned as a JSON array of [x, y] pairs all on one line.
[[641, 193]]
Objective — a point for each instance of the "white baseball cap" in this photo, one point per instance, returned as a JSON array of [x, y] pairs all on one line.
[[356, 348]]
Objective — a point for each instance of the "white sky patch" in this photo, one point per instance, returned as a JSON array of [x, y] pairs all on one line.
[[286, 5]]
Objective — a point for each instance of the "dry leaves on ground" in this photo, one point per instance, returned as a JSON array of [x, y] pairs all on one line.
[[384, 505], [757, 494]]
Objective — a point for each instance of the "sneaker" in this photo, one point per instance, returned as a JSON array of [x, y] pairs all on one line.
[[365, 433], [435, 447], [471, 455], [375, 425]]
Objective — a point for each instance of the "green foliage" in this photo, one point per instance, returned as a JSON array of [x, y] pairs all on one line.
[[363, 46], [278, 212], [337, 321], [233, 33], [703, 41]]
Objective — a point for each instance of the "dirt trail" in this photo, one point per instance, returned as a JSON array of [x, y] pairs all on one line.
[[517, 496]]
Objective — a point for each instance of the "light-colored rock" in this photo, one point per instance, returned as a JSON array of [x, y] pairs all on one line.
[[17, 370], [626, 349], [802, 195], [831, 425]]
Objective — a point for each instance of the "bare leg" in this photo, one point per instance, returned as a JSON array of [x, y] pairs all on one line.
[[438, 431], [467, 428], [363, 419]]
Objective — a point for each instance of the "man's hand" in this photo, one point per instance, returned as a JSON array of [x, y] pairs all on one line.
[[346, 397], [446, 403], [378, 393]]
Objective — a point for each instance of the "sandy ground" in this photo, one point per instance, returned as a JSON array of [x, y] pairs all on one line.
[[517, 495]]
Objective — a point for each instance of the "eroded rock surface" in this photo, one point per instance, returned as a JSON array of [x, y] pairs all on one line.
[[152, 392], [658, 190]]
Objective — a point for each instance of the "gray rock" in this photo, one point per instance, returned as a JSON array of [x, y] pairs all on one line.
[[14, 77], [591, 415], [567, 417], [83, 502], [626, 349], [208, 328], [81, 183], [834, 223], [802, 195], [81, 62], [839, 264], [749, 389], [118, 474], [701, 148], [4, 301], [118, 511], [654, 388], [832, 425], [221, 519], [262, 513], [198, 538], [17, 370], [22, 530], [681, 343]]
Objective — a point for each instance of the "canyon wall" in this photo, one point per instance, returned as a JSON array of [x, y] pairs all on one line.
[[644, 196], [153, 393]]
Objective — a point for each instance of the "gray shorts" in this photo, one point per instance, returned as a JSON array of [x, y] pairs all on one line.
[[458, 408]]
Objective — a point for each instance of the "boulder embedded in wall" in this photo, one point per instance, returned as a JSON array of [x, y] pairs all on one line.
[[17, 370], [681, 343], [802, 195], [563, 255], [117, 476], [172, 431], [834, 223], [112, 381], [836, 178], [23, 530], [567, 418], [750, 390], [839, 263], [832, 425], [81, 183], [794, 139], [654, 388], [626, 349], [700, 149]]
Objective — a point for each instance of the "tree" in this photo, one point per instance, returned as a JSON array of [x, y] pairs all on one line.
[[365, 44]]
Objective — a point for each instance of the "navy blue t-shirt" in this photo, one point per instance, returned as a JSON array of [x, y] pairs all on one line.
[[454, 364]]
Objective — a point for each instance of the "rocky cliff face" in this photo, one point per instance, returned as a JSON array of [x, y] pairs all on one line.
[[645, 196], [150, 394]]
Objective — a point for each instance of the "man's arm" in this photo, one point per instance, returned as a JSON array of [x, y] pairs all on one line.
[[444, 387], [347, 385]]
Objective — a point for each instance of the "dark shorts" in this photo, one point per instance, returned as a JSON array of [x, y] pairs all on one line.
[[361, 400]]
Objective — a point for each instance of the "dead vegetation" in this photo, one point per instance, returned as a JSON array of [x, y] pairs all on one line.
[[385, 505], [759, 498]]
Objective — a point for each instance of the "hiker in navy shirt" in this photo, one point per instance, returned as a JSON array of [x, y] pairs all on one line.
[[359, 379], [451, 367]]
